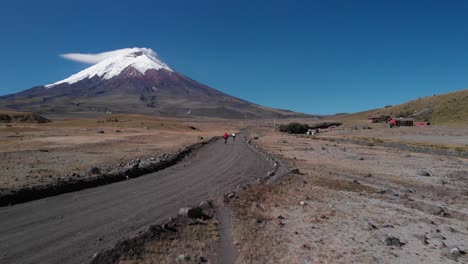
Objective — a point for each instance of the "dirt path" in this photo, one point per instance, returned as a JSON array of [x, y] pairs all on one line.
[[70, 228]]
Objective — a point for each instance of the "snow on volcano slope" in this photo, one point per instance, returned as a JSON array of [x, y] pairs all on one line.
[[142, 59]]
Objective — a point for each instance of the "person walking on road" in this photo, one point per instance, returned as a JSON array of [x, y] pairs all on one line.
[[233, 137], [225, 137]]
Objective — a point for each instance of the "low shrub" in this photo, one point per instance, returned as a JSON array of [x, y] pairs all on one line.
[[294, 128]]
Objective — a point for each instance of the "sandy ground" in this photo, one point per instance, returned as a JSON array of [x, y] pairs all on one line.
[[449, 136], [41, 154], [350, 203], [71, 227], [357, 203]]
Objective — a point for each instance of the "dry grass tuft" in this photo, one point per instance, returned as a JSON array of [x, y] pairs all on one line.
[[194, 242]]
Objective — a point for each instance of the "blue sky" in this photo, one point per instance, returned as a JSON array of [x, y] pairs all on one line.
[[319, 57]]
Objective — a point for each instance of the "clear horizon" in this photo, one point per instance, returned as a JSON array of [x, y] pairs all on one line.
[[305, 56]]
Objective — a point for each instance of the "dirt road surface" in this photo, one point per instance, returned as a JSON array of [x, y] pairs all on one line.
[[70, 228]]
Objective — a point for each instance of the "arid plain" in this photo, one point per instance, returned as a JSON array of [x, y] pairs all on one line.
[[358, 193]]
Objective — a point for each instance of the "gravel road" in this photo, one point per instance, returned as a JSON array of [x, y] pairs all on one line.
[[70, 228]]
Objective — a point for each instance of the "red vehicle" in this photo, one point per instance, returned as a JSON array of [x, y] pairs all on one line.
[[406, 122], [423, 124], [400, 122]]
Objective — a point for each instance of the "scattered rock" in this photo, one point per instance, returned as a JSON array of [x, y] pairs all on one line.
[[206, 204], [422, 238], [280, 217], [407, 190], [182, 257], [391, 240], [255, 138], [229, 196], [192, 212], [424, 173], [443, 182], [437, 236], [302, 203], [388, 192], [295, 171], [454, 252], [369, 226], [429, 208], [428, 221], [94, 170], [169, 226]]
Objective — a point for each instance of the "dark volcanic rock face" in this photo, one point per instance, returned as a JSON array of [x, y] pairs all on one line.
[[159, 92]]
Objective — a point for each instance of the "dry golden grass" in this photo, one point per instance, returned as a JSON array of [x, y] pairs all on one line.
[[193, 241], [447, 109], [433, 145], [32, 154], [9, 112], [372, 139], [341, 184], [252, 213]]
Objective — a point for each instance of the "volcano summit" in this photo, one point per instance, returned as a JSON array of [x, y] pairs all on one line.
[[134, 80]]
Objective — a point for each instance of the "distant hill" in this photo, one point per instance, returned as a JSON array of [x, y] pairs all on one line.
[[450, 108], [21, 117]]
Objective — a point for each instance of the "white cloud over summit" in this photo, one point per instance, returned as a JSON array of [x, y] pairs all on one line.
[[111, 63], [90, 58]]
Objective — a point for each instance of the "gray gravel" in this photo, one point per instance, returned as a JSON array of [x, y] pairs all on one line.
[[70, 228]]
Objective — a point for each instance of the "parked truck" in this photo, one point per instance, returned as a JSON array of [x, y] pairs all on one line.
[[397, 122], [406, 122]]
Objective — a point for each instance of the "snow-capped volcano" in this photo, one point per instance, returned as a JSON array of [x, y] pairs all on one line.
[[141, 59], [132, 80]]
